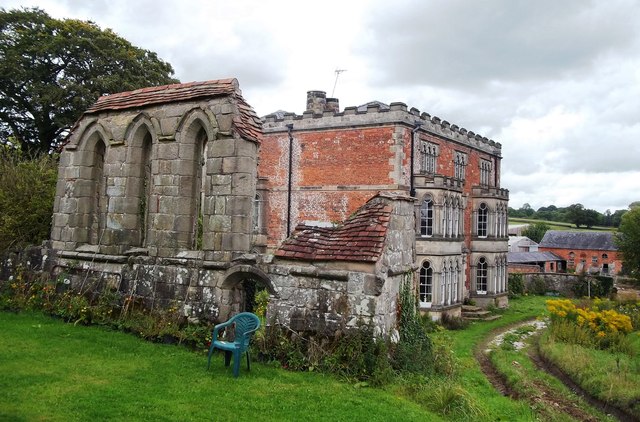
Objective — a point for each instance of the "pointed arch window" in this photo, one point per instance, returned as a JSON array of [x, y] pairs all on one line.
[[429, 154], [144, 189], [444, 275], [426, 217], [426, 284], [258, 210], [485, 172], [98, 200], [483, 220], [481, 276], [456, 218], [460, 164], [456, 283], [199, 191]]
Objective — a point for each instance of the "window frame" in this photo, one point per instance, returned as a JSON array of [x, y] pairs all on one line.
[[425, 284], [482, 276], [427, 214], [482, 226]]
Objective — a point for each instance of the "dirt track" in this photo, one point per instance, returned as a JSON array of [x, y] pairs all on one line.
[[546, 398]]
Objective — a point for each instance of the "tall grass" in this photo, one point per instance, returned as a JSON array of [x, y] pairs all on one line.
[[611, 377]]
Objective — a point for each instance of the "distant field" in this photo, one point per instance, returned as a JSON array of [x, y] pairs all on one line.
[[556, 225]]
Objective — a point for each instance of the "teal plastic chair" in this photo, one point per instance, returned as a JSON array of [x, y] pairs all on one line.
[[245, 324]]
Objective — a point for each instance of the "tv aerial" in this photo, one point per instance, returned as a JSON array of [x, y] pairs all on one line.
[[338, 72]]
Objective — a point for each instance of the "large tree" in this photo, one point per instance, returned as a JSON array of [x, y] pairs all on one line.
[[536, 231], [628, 241], [52, 70]]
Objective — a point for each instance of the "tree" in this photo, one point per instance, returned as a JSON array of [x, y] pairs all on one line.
[[536, 231], [628, 241], [616, 217], [526, 210], [52, 70], [591, 218], [576, 214]]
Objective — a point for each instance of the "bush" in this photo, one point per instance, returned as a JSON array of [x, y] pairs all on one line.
[[589, 326], [453, 323], [515, 285], [538, 286], [27, 190], [413, 352], [599, 286]]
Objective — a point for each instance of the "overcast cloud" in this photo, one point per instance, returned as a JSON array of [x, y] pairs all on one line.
[[557, 83]]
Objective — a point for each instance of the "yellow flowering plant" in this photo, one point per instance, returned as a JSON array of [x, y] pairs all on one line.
[[604, 325]]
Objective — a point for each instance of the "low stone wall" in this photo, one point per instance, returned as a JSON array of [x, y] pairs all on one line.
[[304, 298], [524, 269], [563, 284]]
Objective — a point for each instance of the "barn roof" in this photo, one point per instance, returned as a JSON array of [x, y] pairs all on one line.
[[246, 121], [578, 240], [529, 257]]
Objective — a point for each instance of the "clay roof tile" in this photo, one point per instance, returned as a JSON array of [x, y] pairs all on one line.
[[361, 238]]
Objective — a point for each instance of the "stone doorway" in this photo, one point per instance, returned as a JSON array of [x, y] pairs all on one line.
[[239, 289]]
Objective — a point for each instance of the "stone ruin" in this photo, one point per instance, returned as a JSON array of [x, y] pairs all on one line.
[[156, 198]]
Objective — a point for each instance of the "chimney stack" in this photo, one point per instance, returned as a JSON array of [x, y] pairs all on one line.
[[318, 103], [332, 105]]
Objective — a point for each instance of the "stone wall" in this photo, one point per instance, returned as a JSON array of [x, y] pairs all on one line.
[[563, 284], [329, 296], [155, 179]]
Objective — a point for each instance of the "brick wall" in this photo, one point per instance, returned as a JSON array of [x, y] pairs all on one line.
[[613, 259], [334, 172]]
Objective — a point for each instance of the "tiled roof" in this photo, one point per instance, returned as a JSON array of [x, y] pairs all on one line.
[[530, 257], [578, 240], [361, 238], [246, 123]]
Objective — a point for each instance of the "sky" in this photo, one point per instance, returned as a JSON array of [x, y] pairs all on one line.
[[557, 83]]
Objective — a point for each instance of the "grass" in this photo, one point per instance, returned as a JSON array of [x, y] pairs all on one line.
[[470, 377], [612, 377], [61, 372], [558, 225], [542, 390]]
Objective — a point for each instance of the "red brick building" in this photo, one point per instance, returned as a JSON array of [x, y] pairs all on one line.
[[320, 167], [589, 252]]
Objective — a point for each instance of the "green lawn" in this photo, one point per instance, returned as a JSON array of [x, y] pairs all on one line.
[[471, 376], [558, 225], [52, 371]]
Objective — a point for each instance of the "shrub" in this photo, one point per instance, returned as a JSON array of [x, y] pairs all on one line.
[[605, 328], [538, 286], [453, 323], [516, 285], [598, 286], [27, 190], [413, 352]]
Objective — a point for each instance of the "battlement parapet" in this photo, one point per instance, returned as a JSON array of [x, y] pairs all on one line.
[[379, 113]]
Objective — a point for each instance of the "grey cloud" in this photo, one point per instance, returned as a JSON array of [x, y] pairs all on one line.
[[465, 44]]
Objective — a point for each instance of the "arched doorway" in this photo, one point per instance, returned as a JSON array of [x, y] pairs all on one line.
[[244, 290]]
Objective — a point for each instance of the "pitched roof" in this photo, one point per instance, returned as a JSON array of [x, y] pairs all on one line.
[[376, 103], [529, 257], [361, 238], [246, 122], [578, 240], [513, 240]]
